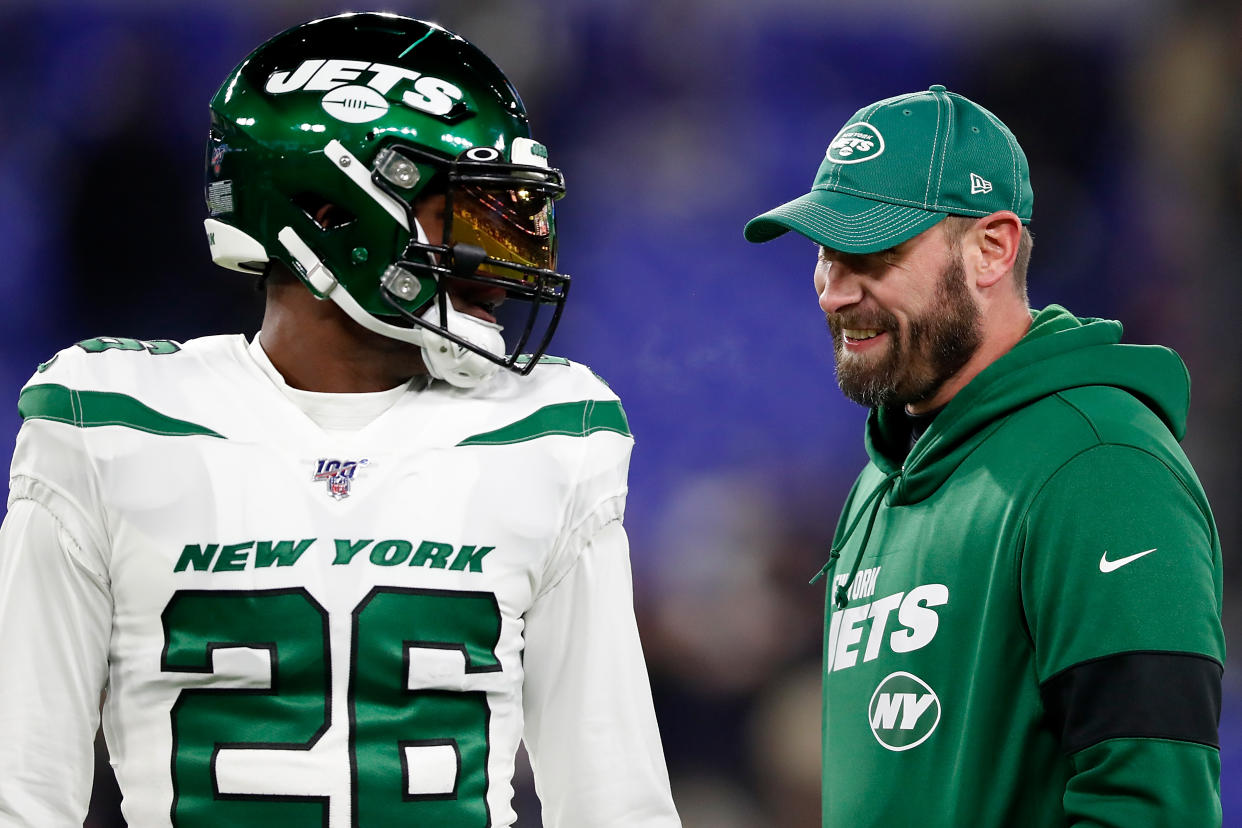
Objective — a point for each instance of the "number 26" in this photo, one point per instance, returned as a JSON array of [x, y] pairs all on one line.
[[417, 756]]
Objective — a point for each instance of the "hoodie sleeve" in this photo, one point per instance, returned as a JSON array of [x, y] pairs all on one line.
[[1120, 580]]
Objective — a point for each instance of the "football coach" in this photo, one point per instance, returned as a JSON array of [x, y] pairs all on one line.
[[1023, 609]]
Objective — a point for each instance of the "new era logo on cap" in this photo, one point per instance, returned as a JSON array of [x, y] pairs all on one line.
[[928, 155]]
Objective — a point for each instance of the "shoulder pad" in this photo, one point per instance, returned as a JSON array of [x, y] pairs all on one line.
[[146, 385], [558, 398]]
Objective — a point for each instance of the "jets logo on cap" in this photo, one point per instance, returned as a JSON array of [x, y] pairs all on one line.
[[904, 711], [856, 143]]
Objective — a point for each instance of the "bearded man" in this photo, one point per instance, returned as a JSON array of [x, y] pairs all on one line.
[[1023, 621]]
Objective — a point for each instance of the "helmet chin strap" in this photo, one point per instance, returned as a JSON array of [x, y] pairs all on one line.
[[445, 360], [453, 363]]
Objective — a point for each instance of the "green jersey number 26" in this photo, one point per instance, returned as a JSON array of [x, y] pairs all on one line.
[[417, 756]]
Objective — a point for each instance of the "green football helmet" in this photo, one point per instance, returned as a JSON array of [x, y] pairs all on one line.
[[325, 138]]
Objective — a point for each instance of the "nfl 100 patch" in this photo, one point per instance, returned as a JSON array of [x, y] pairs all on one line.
[[338, 475]]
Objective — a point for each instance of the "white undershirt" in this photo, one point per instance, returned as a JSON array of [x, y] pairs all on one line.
[[333, 412]]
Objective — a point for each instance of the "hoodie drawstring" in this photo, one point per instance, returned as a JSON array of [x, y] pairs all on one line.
[[873, 501]]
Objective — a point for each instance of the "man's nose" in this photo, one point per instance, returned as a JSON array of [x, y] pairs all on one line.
[[838, 287]]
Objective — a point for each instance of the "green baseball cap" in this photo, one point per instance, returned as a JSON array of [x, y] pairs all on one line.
[[901, 165]]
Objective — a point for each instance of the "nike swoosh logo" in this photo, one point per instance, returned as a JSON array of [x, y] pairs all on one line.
[[1108, 566]]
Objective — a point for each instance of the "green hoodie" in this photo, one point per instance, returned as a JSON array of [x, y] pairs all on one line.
[[1024, 614]]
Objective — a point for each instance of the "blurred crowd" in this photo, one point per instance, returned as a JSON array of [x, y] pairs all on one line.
[[675, 122]]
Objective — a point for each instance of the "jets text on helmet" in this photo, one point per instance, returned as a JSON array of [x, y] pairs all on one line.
[[429, 94]]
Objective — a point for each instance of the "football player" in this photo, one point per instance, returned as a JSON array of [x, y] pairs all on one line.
[[334, 574]]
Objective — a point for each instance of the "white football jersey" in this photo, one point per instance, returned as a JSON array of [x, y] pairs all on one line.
[[298, 625]]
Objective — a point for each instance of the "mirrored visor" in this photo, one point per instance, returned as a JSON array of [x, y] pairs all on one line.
[[512, 224]]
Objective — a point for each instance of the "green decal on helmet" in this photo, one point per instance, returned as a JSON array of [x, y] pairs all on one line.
[[325, 138]]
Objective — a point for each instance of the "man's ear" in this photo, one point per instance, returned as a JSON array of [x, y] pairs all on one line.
[[990, 247]]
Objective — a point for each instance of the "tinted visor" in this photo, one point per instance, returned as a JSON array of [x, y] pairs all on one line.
[[512, 223]]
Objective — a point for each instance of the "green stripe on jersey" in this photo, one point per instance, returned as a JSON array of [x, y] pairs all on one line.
[[573, 419], [90, 409]]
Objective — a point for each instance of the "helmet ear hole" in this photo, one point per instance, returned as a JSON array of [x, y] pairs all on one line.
[[324, 213]]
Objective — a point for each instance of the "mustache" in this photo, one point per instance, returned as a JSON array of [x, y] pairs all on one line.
[[871, 320]]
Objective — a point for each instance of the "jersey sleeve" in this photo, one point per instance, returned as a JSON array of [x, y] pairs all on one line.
[[55, 620], [55, 623], [598, 477], [590, 725], [1120, 579]]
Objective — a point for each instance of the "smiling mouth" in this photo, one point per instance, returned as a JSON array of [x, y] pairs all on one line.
[[488, 308], [480, 310], [860, 334], [480, 302]]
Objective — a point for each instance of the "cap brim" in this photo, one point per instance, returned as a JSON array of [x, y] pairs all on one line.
[[843, 222]]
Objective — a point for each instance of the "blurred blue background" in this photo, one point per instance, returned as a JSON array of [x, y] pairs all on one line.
[[675, 122]]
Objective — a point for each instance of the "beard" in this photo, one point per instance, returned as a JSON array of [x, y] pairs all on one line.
[[918, 360]]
